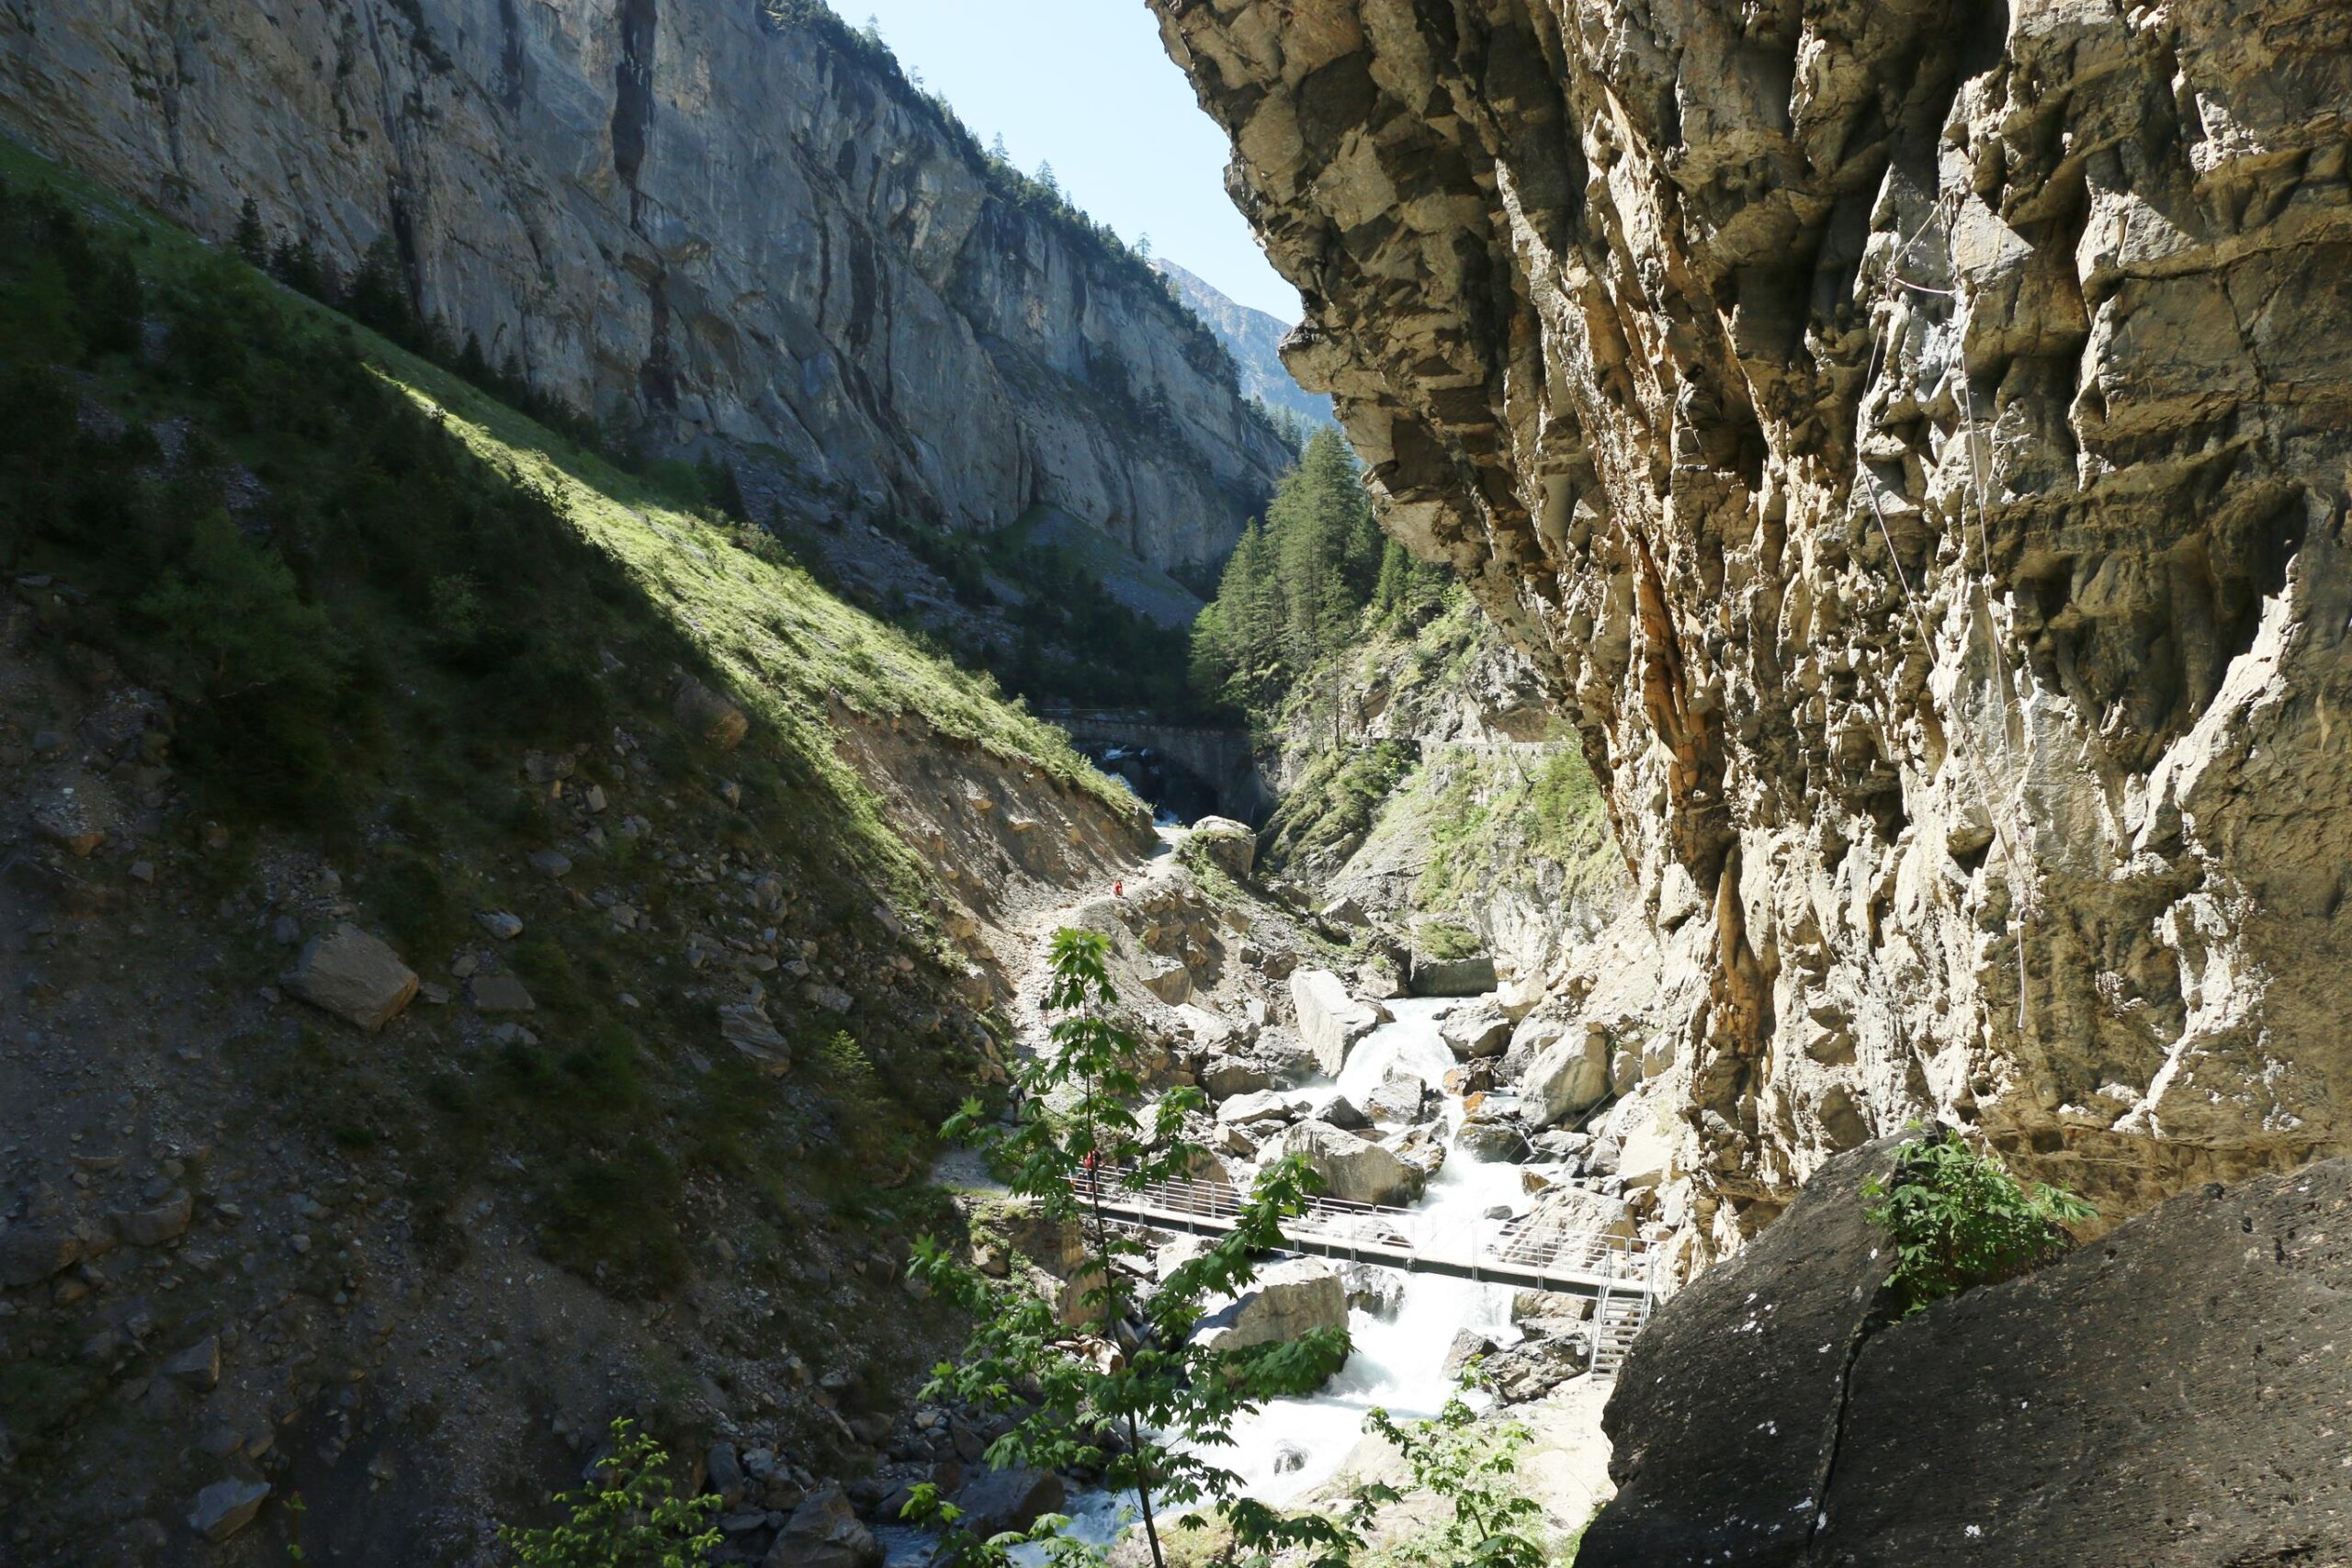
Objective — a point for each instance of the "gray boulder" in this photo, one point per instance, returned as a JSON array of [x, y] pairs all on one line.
[[225, 1507], [1224, 1077], [1330, 1021], [1452, 976], [1265, 1106], [1342, 1112], [1225, 844], [1372, 1288], [500, 993], [2188, 1366], [1287, 1301], [1401, 1099], [1352, 1169], [824, 1532], [1492, 1134], [997, 1500], [353, 976], [1475, 1032], [1468, 1344], [1571, 1077]]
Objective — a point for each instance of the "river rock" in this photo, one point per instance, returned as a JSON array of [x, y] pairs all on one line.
[[1374, 1289], [999, 1500], [1266, 1107], [1330, 1021], [824, 1532], [1467, 1344], [1492, 1134], [1452, 976], [1223, 1077], [1474, 1032], [1401, 1098], [1569, 1077], [353, 976], [1352, 1168], [1286, 1301], [1342, 1112]]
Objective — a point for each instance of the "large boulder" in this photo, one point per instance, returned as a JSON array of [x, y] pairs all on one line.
[[1563, 1211], [1352, 1169], [353, 976], [1452, 976], [1264, 1105], [1493, 1131], [1287, 1301], [1225, 844], [995, 1501], [1223, 1077], [1402, 1098], [1475, 1032], [1569, 1077], [824, 1532], [2172, 1396], [1330, 1019]]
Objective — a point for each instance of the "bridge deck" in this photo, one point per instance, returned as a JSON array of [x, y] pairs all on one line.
[[1598, 1267]]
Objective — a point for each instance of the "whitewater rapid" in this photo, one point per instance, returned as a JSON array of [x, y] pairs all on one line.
[[1395, 1364]]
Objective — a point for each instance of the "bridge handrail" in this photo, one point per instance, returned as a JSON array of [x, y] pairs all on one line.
[[1622, 1263]]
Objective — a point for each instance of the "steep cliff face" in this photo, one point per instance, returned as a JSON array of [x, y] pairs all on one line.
[[1255, 341], [703, 217], [1911, 438]]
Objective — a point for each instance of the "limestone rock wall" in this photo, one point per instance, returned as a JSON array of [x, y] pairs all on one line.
[[681, 212], [1910, 436]]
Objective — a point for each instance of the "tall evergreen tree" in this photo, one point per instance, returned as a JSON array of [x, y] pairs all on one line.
[[1295, 588]]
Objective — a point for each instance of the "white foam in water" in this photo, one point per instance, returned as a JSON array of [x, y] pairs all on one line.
[[1396, 1365]]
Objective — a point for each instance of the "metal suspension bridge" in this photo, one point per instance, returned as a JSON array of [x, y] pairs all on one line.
[[1616, 1274]]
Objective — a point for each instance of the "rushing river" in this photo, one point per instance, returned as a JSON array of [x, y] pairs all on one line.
[[1396, 1364]]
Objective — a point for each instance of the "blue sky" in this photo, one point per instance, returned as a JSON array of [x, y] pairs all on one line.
[[1085, 86]]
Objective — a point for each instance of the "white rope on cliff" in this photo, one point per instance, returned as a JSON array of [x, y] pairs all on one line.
[[2021, 882]]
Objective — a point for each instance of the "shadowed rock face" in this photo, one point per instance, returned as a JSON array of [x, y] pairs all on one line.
[[1911, 439], [685, 213], [2173, 1394]]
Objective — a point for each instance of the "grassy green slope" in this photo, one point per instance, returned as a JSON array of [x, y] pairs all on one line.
[[366, 591]]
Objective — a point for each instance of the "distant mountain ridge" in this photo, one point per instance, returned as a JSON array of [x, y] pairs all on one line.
[[1254, 339]]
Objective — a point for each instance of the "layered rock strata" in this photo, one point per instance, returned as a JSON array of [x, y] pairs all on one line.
[[1911, 438], [714, 221]]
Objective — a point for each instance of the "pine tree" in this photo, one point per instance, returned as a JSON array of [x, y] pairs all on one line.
[[252, 241], [1327, 548], [1045, 178], [998, 153]]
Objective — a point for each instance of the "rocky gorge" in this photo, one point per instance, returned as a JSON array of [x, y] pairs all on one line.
[[493, 924], [1909, 440]]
